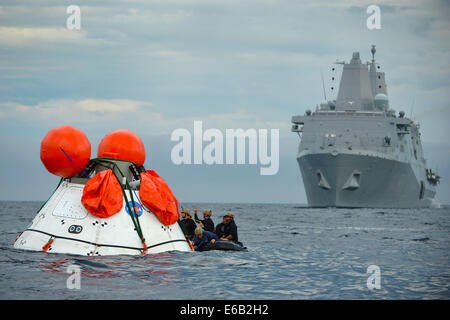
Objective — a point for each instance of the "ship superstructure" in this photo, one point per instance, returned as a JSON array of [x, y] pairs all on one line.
[[355, 151]]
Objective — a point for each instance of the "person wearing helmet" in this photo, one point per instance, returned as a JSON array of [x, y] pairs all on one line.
[[207, 223], [187, 223], [227, 230]]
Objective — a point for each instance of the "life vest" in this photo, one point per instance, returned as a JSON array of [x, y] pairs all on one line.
[[156, 195]]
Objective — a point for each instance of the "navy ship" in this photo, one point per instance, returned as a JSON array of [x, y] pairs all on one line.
[[356, 151]]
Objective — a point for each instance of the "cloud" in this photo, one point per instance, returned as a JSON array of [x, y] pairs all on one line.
[[27, 36], [115, 105], [153, 66], [109, 114], [64, 109], [90, 113]]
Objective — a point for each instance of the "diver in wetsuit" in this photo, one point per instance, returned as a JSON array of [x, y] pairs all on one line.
[[227, 230], [207, 223], [187, 223], [203, 238]]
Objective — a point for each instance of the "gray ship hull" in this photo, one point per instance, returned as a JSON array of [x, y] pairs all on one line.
[[349, 180]]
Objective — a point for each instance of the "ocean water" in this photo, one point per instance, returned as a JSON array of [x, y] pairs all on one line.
[[294, 252]]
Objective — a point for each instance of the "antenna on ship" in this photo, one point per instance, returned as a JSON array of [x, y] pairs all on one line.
[[323, 85], [411, 109], [373, 50]]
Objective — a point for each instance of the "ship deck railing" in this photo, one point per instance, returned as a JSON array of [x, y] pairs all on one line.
[[352, 113]]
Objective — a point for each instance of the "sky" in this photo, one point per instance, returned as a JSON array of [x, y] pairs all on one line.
[[153, 66]]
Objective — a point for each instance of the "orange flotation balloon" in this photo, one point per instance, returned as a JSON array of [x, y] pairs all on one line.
[[122, 145], [156, 195], [65, 151], [102, 195]]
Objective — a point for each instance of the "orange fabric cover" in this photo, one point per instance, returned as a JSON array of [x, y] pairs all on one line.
[[156, 195], [74, 142], [102, 195]]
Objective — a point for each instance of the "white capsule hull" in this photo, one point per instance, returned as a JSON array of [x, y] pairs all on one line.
[[63, 225]]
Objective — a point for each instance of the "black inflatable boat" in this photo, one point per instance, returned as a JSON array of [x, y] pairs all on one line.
[[224, 245]]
